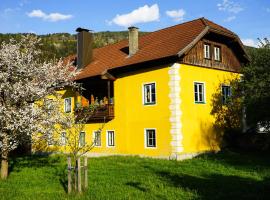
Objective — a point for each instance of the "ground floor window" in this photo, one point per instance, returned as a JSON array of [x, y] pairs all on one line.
[[63, 139], [49, 139], [150, 137], [110, 139], [97, 138], [82, 139]]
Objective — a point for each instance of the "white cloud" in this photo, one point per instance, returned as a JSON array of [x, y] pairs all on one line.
[[53, 17], [230, 6], [37, 13], [249, 42], [177, 15], [229, 19], [140, 15]]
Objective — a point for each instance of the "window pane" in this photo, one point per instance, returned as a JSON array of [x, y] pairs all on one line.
[[149, 93], [151, 138], [63, 138], [82, 139], [199, 92], [110, 138], [97, 138], [67, 104]]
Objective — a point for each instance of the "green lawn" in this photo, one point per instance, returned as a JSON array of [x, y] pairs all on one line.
[[227, 175]]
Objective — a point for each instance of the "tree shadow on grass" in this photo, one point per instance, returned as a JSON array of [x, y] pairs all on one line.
[[34, 161], [137, 185], [245, 160], [218, 186], [55, 162]]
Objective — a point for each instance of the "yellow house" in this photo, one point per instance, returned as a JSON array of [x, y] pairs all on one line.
[[153, 94]]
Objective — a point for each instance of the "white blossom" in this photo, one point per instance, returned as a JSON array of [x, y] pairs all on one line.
[[25, 82]]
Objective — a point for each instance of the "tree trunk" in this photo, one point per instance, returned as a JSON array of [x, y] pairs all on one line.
[[4, 165]]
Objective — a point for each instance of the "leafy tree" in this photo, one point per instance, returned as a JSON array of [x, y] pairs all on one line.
[[24, 82], [256, 83]]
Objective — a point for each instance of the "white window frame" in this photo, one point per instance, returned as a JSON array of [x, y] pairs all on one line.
[[207, 51], [94, 138], [204, 92], [107, 138], [146, 141], [217, 54], [63, 138], [224, 100], [80, 145], [144, 94], [65, 105]]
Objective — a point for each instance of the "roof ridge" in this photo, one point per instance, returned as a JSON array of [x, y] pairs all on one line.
[[147, 34]]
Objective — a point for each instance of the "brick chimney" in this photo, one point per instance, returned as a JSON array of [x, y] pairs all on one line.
[[133, 40], [84, 47]]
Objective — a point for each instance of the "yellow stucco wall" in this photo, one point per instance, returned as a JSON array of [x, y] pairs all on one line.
[[132, 116], [198, 129]]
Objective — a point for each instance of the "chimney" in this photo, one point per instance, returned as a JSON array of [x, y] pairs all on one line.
[[133, 40], [84, 47]]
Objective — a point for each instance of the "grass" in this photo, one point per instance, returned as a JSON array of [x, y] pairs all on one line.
[[226, 175]]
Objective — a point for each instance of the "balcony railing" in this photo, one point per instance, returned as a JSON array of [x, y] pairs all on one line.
[[98, 113]]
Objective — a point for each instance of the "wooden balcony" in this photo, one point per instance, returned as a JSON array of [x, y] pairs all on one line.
[[102, 113]]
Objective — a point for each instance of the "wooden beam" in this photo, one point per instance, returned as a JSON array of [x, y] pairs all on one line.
[[107, 75]]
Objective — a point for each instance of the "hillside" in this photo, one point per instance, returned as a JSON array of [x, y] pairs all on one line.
[[57, 45]]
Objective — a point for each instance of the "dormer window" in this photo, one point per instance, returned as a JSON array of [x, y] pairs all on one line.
[[207, 53], [217, 54]]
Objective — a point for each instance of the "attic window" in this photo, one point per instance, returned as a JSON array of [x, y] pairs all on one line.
[[207, 52], [217, 53]]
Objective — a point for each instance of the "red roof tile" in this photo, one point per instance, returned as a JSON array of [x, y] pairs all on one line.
[[159, 44]]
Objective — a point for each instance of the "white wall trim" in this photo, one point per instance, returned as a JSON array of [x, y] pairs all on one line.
[[175, 111]]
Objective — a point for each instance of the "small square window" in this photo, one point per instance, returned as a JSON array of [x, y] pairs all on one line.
[[217, 54], [149, 93], [110, 138], [150, 136], [97, 138], [207, 52], [199, 95], [67, 105], [82, 139], [226, 94]]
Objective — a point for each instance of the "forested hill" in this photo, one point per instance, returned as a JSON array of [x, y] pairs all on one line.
[[59, 45]]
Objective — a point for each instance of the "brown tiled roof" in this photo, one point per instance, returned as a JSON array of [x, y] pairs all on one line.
[[159, 44]]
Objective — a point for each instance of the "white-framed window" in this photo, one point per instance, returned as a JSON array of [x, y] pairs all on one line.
[[199, 92], [49, 139], [82, 139], [149, 93], [217, 54], [63, 138], [226, 93], [97, 138], [207, 51], [110, 139], [67, 102], [150, 138]]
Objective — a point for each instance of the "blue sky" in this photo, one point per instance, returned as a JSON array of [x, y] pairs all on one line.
[[250, 19]]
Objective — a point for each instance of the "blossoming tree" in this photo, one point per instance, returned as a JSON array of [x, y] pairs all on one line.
[[25, 81]]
